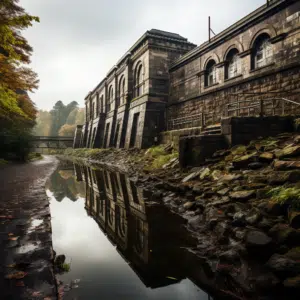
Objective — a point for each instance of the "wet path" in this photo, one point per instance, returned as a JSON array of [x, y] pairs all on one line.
[[118, 241], [25, 231]]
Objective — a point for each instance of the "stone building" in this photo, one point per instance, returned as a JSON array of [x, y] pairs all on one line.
[[256, 58], [166, 83], [127, 107]]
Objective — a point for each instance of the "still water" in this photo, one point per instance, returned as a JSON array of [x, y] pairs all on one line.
[[119, 242]]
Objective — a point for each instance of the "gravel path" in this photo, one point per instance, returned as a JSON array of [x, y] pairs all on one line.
[[26, 254]]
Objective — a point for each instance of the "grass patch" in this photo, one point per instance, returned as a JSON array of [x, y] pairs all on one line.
[[3, 161], [65, 267], [158, 157], [284, 195]]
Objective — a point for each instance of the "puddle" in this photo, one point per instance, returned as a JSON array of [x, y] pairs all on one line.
[[119, 243]]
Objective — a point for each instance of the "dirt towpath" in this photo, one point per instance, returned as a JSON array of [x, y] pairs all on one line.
[[26, 254]]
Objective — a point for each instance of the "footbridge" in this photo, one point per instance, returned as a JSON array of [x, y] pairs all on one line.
[[52, 142]]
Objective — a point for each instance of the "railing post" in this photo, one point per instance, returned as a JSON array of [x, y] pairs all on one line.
[[261, 113], [283, 108]]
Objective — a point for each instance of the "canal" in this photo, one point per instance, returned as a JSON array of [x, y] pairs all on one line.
[[119, 241]]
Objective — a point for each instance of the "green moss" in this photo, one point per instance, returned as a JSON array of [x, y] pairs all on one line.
[[65, 267], [284, 195], [239, 149]]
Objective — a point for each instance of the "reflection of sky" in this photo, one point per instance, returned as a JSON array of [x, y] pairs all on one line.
[[103, 272]]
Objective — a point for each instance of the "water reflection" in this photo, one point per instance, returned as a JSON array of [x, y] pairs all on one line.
[[137, 254]]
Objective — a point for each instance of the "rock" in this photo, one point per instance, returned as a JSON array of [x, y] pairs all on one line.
[[231, 177], [59, 260], [257, 240], [229, 256], [195, 221], [223, 192], [289, 151], [239, 219], [216, 175], [281, 177], [222, 229], [294, 253], [255, 165], [283, 234], [242, 195], [282, 265], [282, 165], [219, 202], [238, 149], [257, 179], [253, 217], [265, 224], [190, 177], [292, 282], [240, 234], [266, 157], [221, 153], [189, 205], [294, 219], [266, 281], [243, 161], [205, 173]]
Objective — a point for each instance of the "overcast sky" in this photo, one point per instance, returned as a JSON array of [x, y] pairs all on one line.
[[78, 41]]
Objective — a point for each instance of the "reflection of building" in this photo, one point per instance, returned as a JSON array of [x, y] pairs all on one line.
[[145, 235]]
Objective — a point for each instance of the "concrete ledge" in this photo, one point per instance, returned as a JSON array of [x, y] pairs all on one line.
[[173, 136]]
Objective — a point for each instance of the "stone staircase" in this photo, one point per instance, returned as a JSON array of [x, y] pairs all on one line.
[[212, 130]]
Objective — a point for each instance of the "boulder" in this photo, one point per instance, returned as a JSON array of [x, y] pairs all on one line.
[[282, 265], [289, 151], [253, 217], [266, 157], [281, 177], [221, 153], [257, 240], [198, 189], [274, 208], [242, 195], [297, 139], [239, 219], [263, 193], [282, 165], [292, 282]]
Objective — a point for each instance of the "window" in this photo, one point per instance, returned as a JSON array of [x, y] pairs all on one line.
[[233, 64], [139, 83], [122, 95], [211, 73], [101, 104], [263, 52], [93, 110], [110, 98]]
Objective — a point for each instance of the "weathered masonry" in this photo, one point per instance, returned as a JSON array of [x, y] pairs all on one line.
[[127, 107], [166, 84], [257, 58]]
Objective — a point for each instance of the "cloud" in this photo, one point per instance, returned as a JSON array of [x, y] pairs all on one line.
[[77, 42]]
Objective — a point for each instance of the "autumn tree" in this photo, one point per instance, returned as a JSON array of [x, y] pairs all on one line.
[[17, 111]]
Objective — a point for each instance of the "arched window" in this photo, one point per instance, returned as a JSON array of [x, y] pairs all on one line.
[[110, 98], [211, 73], [122, 90], [233, 64], [93, 110], [263, 51], [139, 84]]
